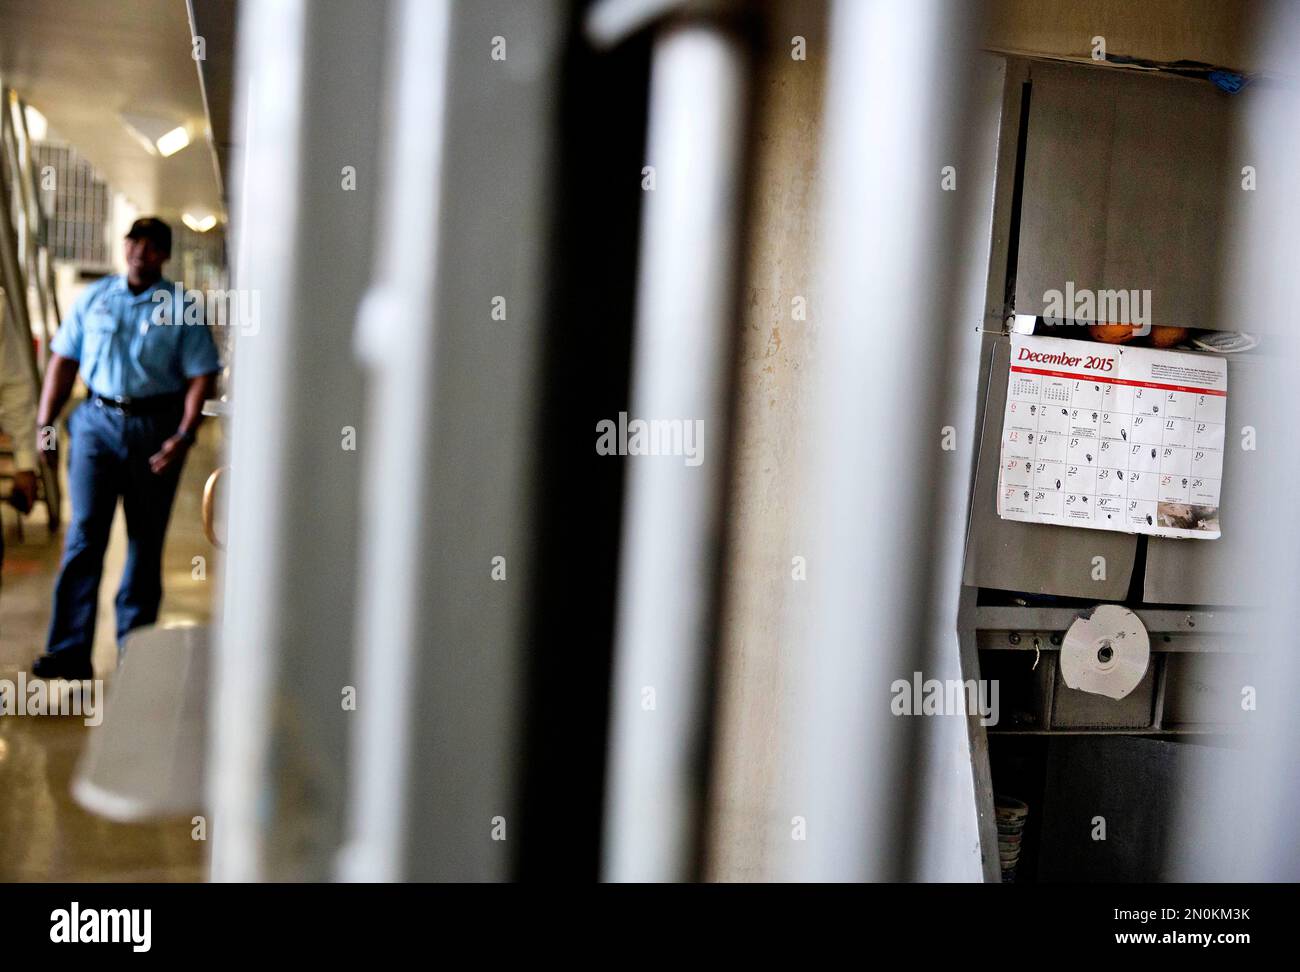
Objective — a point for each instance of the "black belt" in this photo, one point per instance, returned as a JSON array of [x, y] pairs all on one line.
[[151, 405]]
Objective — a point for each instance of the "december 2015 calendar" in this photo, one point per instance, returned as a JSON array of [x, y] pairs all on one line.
[[1107, 437]]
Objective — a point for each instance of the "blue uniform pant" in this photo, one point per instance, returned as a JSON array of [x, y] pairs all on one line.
[[108, 457]]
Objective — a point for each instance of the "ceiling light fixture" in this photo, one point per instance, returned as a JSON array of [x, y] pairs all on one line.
[[37, 126], [199, 224], [172, 142], [158, 136]]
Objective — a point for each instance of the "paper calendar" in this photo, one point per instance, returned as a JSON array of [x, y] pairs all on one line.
[[1113, 438]]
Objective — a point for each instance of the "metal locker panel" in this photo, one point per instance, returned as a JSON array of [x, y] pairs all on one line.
[[1035, 558], [1067, 157], [1133, 783], [1073, 709], [1126, 178], [1204, 689], [1229, 570]]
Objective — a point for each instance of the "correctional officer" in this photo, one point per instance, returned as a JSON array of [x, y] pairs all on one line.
[[147, 373]]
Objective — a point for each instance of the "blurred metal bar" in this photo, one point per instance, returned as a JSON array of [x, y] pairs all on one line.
[[1240, 813], [1270, 240], [672, 527], [308, 190], [391, 592], [877, 464], [272, 100], [612, 21], [451, 333]]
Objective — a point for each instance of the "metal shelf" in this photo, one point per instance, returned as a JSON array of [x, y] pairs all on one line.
[[1226, 621], [1208, 730]]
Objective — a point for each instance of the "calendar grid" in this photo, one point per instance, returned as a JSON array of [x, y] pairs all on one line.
[[1100, 445]]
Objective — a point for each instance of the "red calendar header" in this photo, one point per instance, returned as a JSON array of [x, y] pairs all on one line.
[[1164, 386], [1059, 358]]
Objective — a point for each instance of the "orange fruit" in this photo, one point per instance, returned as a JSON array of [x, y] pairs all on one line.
[[1167, 337], [1111, 333]]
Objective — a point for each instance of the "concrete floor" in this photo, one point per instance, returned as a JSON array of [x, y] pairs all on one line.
[[44, 834]]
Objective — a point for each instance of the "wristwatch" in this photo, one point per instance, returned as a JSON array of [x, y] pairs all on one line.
[[188, 436]]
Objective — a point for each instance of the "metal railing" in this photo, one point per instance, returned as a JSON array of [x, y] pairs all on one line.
[[26, 269]]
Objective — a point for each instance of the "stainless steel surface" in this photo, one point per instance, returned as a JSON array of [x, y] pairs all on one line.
[[1126, 180], [1184, 691], [1198, 622], [1032, 557], [988, 165], [1206, 690], [1227, 570], [1073, 709], [981, 767], [1205, 730], [1223, 643], [997, 302]]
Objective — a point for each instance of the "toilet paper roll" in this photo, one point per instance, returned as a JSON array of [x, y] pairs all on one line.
[[1106, 652]]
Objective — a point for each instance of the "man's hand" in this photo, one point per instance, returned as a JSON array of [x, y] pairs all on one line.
[[172, 451], [23, 496]]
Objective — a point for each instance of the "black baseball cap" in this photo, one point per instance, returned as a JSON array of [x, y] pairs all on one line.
[[154, 229]]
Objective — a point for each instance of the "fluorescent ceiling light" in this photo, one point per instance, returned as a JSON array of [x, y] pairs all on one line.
[[199, 225], [158, 136], [37, 126], [172, 142]]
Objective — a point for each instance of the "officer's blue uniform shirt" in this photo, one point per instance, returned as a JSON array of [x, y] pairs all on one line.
[[123, 349]]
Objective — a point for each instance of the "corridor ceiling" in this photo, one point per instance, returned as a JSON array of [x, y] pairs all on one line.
[[85, 63]]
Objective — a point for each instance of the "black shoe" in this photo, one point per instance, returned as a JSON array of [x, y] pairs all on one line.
[[62, 666]]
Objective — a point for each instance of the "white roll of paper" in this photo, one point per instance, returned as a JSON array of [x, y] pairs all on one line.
[[1106, 652]]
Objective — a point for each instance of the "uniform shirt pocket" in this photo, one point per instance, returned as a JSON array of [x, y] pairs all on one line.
[[100, 326], [154, 347]]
